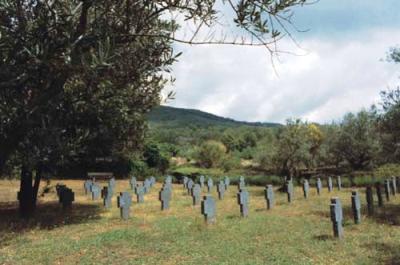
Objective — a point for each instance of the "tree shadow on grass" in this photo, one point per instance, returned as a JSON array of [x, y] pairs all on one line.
[[48, 216], [389, 254], [324, 237], [388, 214]]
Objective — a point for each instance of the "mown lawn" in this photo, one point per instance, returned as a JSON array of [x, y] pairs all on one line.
[[299, 233]]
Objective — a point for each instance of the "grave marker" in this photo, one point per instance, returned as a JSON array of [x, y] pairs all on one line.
[[111, 184], [190, 185], [356, 206], [140, 194], [306, 188], [379, 193], [66, 197], [208, 209], [330, 184], [221, 189], [393, 186], [146, 186], [202, 179], [319, 186], [210, 184], [59, 189], [168, 180], [370, 200], [289, 190], [185, 181], [241, 183], [196, 194], [387, 189], [165, 197], [152, 181], [337, 217], [243, 201], [339, 182], [104, 192], [227, 182], [107, 197], [96, 191], [269, 196], [133, 183], [124, 203], [87, 186]]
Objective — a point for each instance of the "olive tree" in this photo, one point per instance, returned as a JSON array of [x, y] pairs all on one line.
[[78, 76]]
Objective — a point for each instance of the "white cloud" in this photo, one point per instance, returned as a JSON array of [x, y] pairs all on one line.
[[335, 77]]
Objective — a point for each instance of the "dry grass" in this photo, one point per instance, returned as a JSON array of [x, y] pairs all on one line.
[[299, 233]]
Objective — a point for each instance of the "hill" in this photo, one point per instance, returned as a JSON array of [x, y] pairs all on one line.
[[176, 117]]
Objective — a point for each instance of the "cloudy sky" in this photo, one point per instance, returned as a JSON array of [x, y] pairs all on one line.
[[342, 67]]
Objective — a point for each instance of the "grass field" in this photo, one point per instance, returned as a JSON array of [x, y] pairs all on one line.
[[299, 233]]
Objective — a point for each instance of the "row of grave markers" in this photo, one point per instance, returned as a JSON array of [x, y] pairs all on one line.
[[208, 204], [390, 189]]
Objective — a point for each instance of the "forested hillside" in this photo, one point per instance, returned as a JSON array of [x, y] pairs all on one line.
[[176, 117]]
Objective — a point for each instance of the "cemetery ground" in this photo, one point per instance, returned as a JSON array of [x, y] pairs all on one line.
[[296, 233]]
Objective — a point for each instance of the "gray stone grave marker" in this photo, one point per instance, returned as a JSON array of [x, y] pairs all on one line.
[[221, 189], [152, 181], [393, 186], [210, 184], [339, 182], [66, 197], [370, 200], [189, 186], [356, 206], [306, 188], [269, 196], [208, 209], [111, 184], [319, 186], [168, 180], [243, 201], [202, 179], [124, 203], [165, 197], [87, 186], [241, 183], [133, 183], [337, 217], [96, 191], [59, 189], [379, 193], [185, 181], [140, 194], [289, 190], [106, 194], [196, 194], [330, 184], [387, 189], [227, 182], [146, 186]]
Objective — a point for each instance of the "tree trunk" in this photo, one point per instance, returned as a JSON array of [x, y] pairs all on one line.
[[25, 195], [36, 185]]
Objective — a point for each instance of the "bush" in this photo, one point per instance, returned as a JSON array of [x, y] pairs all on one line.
[[211, 154], [387, 170], [155, 158], [230, 162]]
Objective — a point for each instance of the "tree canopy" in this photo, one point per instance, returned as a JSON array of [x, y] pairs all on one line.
[[78, 76]]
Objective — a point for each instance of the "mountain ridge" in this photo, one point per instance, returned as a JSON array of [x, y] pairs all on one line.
[[172, 116]]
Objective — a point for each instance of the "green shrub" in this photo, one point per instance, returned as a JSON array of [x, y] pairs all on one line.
[[387, 170], [211, 154], [229, 163]]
